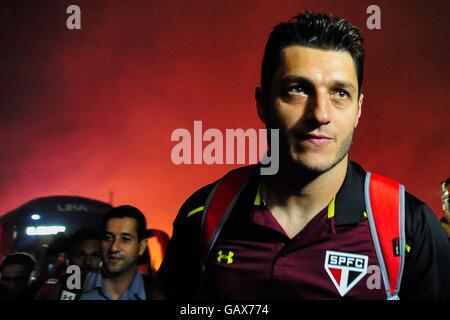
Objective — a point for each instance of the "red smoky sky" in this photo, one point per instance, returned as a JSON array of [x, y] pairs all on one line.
[[91, 111]]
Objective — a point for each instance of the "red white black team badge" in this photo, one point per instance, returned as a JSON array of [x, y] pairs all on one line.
[[345, 269]]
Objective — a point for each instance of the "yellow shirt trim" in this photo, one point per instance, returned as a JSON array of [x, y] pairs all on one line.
[[190, 213], [258, 200], [331, 208]]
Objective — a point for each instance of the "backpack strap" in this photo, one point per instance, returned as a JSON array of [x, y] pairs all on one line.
[[220, 203], [147, 279], [385, 206]]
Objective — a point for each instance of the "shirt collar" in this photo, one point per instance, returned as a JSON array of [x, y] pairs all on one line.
[[137, 288], [94, 280], [348, 205]]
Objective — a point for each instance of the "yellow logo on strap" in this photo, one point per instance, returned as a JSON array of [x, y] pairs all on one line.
[[228, 257]]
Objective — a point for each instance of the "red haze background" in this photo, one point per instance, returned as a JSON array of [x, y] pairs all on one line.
[[91, 111]]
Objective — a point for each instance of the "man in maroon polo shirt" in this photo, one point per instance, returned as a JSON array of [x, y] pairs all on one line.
[[290, 234]]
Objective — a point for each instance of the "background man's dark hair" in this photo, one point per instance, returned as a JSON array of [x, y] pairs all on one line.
[[313, 30], [81, 236], [127, 211], [21, 258]]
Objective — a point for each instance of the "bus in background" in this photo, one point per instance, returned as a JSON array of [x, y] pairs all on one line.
[[41, 226]]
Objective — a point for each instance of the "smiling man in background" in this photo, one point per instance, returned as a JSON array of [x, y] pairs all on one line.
[[124, 240]]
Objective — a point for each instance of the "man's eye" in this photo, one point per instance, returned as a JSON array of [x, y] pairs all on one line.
[[296, 90], [342, 94]]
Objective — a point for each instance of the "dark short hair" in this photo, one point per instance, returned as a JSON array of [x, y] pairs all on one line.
[[314, 30], [127, 211], [22, 258], [81, 236]]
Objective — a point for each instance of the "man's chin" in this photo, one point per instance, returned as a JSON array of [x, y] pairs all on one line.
[[114, 271], [313, 166], [317, 167]]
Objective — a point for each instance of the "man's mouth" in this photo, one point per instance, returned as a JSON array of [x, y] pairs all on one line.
[[316, 139], [114, 259]]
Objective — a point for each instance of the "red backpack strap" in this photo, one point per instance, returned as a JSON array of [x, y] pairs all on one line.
[[220, 203], [385, 206]]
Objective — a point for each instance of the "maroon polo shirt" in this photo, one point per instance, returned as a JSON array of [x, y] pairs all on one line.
[[255, 259], [267, 264]]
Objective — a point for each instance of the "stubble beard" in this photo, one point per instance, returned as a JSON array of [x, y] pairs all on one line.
[[291, 166]]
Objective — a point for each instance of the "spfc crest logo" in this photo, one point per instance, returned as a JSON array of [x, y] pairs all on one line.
[[345, 269]]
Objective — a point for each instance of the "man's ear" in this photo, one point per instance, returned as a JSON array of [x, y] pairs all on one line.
[[260, 106], [360, 102], [142, 246]]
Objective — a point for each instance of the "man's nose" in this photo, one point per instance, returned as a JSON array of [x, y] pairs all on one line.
[[115, 245], [320, 108]]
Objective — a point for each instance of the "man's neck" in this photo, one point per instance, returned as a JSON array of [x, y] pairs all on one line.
[[116, 285], [294, 198]]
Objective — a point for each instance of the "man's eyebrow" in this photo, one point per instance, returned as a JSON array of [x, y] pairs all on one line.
[[343, 84], [121, 234], [126, 234], [289, 79], [304, 80]]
